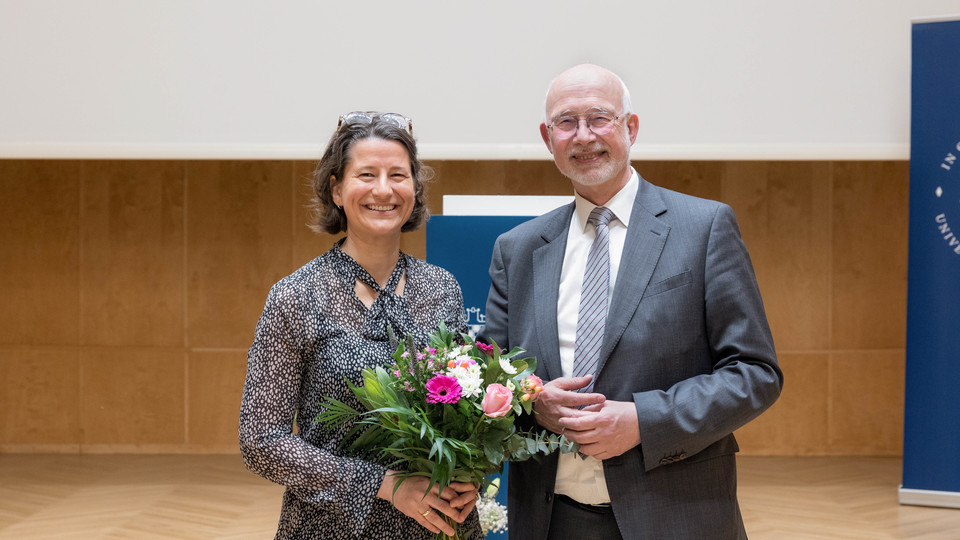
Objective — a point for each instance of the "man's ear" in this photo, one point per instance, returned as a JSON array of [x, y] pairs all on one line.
[[633, 127], [545, 133]]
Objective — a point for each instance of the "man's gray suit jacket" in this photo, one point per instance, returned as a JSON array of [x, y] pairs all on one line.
[[686, 340]]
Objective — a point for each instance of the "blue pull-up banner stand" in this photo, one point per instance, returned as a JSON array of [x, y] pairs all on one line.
[[931, 443], [463, 245], [461, 241]]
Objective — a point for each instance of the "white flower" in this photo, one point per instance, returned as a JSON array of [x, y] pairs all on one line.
[[493, 515], [507, 368], [511, 386], [468, 376]]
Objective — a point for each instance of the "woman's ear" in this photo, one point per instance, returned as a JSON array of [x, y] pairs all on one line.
[[335, 191]]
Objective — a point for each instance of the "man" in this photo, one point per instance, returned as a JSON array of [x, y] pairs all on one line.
[[647, 323]]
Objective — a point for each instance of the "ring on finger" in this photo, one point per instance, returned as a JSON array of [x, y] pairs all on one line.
[[427, 513]]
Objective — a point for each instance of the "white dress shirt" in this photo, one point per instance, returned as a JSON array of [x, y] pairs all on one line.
[[582, 478]]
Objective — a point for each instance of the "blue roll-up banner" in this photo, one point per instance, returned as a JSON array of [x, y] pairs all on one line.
[[463, 244], [931, 442]]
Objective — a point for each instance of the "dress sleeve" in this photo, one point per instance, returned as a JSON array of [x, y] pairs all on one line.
[[271, 399]]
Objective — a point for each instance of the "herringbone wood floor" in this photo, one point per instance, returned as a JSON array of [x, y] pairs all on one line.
[[214, 497]]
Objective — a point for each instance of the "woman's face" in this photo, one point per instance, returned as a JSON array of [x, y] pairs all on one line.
[[377, 191]]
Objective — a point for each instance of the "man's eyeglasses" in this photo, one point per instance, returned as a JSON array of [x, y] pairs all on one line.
[[366, 117], [599, 122]]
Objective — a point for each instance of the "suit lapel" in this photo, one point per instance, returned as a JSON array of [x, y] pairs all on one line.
[[547, 264], [646, 236]]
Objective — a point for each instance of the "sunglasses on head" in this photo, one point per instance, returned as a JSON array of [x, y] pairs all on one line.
[[366, 117]]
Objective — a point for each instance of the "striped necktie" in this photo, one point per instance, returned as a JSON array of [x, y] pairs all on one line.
[[593, 298]]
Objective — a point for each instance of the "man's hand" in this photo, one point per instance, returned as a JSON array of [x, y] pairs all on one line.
[[560, 398], [605, 430]]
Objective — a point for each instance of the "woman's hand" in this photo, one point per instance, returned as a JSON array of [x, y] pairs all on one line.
[[456, 501]]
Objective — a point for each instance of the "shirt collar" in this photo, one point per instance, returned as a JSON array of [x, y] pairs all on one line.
[[620, 204]]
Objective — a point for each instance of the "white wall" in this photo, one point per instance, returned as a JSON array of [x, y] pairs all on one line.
[[741, 79]]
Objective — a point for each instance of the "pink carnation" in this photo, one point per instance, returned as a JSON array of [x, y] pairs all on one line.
[[488, 349], [443, 389]]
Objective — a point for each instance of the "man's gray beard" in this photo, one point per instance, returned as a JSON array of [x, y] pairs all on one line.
[[594, 178], [604, 174]]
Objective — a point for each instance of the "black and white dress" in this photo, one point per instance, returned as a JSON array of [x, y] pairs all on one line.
[[313, 332]]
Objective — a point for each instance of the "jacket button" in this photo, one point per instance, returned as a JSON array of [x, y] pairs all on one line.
[[548, 497]]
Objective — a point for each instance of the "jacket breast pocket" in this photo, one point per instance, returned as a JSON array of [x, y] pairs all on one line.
[[669, 323], [670, 283]]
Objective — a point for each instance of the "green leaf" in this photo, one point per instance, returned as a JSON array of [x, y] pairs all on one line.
[[441, 339], [514, 352], [527, 406], [520, 366], [336, 413], [493, 445], [567, 446], [531, 367], [493, 373], [531, 446]]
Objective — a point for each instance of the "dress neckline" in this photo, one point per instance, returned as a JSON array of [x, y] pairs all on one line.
[[358, 272]]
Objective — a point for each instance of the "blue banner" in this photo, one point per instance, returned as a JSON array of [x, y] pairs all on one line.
[[931, 445], [463, 245]]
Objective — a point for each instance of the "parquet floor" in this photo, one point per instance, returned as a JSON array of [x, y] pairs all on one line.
[[214, 497]]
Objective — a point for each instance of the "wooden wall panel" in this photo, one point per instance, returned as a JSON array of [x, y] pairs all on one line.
[[215, 384], [307, 244], [784, 214], [39, 252], [698, 178], [39, 397], [131, 397], [131, 268], [239, 243], [870, 217], [132, 289], [798, 422], [866, 402]]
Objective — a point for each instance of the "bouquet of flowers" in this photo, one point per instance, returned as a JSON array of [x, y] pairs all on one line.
[[446, 412]]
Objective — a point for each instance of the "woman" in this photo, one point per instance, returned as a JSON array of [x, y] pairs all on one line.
[[328, 320]]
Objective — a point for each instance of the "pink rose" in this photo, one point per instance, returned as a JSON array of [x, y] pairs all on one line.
[[497, 401]]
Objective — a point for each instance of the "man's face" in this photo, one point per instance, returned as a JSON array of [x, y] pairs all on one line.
[[585, 157]]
